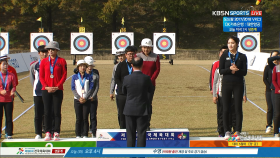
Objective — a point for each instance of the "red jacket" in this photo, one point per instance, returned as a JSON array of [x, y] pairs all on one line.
[[60, 73], [11, 86], [151, 65], [276, 78], [13, 71], [215, 66]]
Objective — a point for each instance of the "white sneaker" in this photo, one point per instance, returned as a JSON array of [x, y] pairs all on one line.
[[276, 135], [38, 136], [268, 129], [78, 137], [47, 136], [55, 136], [227, 135], [85, 137]]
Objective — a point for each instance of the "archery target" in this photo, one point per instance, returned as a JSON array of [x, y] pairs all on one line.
[[122, 40], [38, 39], [81, 43], [4, 43], [164, 43], [249, 42]]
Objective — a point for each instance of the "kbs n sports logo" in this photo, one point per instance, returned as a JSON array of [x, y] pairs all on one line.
[[237, 13]]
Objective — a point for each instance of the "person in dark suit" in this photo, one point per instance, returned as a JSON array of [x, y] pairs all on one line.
[[136, 87], [124, 68]]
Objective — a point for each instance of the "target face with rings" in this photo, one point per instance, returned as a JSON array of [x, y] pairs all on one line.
[[40, 40], [122, 42], [81, 43], [164, 43], [2, 43], [249, 43]]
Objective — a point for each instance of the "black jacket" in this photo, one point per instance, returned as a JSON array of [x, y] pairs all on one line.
[[137, 86], [267, 78], [120, 73], [224, 68]]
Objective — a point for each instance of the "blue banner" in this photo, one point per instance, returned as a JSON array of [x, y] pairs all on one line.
[[242, 24], [84, 152], [153, 139]]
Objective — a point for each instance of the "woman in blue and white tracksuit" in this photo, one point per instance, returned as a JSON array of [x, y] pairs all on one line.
[[82, 88], [93, 98]]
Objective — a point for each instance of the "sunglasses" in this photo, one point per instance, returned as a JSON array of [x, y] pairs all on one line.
[[51, 49]]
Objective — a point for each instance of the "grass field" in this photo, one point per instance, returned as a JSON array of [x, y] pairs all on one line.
[[182, 100]]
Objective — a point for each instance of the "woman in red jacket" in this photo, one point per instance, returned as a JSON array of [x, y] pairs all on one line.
[[7, 89], [276, 84], [53, 72]]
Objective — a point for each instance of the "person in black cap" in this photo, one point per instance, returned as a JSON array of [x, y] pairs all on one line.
[[120, 54]]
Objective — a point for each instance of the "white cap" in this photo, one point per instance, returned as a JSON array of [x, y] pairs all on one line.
[[89, 60], [120, 51], [146, 42], [81, 62]]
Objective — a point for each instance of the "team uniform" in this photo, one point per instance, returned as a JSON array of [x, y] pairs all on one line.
[[276, 83], [233, 84], [271, 109], [82, 86], [37, 96], [214, 66], [123, 69], [267, 79], [217, 92], [52, 100], [94, 103], [8, 83], [113, 87]]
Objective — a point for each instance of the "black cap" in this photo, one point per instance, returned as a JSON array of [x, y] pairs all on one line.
[[42, 49]]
